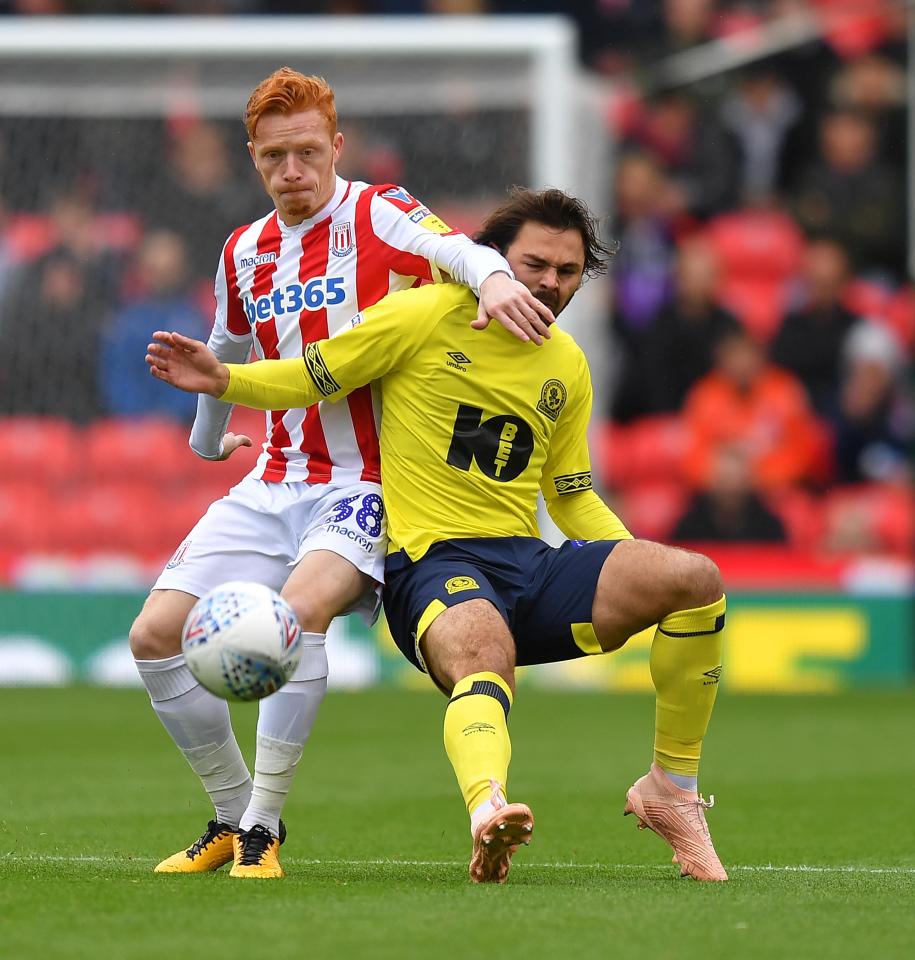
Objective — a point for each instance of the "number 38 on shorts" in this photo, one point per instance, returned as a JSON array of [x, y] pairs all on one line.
[[367, 510]]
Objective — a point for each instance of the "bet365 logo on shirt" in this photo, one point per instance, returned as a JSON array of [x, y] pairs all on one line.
[[314, 295]]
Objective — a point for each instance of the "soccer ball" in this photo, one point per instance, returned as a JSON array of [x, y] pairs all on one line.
[[242, 641]]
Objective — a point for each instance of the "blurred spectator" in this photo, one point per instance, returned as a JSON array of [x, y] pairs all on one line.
[[369, 157], [730, 509], [874, 425], [851, 196], [47, 340], [7, 257], [642, 268], [641, 271], [875, 86], [685, 23], [810, 340], [763, 115], [198, 194], [680, 348], [698, 155], [163, 304], [749, 403]]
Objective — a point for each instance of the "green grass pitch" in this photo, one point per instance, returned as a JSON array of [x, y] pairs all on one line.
[[815, 818]]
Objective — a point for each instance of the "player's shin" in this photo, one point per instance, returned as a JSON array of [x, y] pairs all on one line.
[[477, 740], [685, 664], [199, 724], [285, 721]]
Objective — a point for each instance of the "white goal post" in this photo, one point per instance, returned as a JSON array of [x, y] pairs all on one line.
[[547, 88]]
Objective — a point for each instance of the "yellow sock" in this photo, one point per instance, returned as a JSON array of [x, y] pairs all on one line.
[[476, 735], [685, 663]]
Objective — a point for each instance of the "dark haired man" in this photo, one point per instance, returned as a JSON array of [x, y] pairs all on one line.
[[471, 429]]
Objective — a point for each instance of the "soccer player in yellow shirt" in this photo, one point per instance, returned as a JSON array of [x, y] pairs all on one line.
[[473, 425]]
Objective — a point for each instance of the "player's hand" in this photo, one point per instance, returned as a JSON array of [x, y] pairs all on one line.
[[515, 307], [186, 364], [231, 442]]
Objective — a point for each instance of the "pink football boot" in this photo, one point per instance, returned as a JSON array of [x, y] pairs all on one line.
[[678, 816], [498, 837]]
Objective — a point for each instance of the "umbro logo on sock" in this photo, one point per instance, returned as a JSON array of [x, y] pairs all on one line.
[[478, 727], [714, 676]]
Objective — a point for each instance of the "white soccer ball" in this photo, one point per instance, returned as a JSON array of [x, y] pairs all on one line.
[[242, 641]]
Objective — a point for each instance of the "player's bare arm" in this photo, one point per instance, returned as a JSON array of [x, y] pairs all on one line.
[[515, 307], [187, 364]]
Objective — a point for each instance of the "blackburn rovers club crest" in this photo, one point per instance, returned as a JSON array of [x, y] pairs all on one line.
[[552, 398], [343, 239]]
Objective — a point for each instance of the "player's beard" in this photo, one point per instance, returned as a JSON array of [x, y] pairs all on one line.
[[300, 203], [550, 299]]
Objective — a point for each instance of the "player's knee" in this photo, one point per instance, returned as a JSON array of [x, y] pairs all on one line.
[[151, 640], [699, 579], [485, 658], [313, 611]]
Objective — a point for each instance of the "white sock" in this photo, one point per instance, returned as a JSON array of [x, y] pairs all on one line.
[[284, 724], [683, 782], [199, 724], [481, 813], [486, 809]]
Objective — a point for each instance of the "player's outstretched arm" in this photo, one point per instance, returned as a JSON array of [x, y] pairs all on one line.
[[187, 364], [515, 307]]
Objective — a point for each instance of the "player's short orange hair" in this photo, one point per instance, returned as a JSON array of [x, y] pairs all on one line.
[[288, 91]]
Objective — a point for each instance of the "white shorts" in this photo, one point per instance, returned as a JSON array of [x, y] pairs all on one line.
[[259, 530]]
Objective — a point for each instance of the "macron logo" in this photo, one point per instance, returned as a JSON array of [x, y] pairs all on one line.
[[258, 260]]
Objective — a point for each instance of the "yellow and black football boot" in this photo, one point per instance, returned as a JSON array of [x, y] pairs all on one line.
[[211, 850], [257, 853]]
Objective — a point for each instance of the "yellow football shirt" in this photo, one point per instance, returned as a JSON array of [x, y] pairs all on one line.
[[474, 422]]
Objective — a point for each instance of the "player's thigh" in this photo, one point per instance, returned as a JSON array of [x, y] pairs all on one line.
[[553, 620], [416, 595], [470, 637], [323, 585], [156, 632], [246, 535], [642, 582], [340, 556]]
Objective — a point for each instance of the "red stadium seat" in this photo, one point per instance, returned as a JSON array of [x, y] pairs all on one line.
[[871, 517], [802, 516], [43, 450], [867, 298], [757, 243], [651, 510], [651, 448], [901, 317], [26, 517], [113, 516], [757, 302], [120, 449]]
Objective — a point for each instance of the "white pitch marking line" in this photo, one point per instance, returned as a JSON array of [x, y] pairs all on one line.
[[295, 861]]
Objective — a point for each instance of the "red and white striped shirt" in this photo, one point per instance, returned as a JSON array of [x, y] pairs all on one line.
[[279, 288]]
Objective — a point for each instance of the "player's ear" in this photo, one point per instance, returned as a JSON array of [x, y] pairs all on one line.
[[338, 145], [251, 153]]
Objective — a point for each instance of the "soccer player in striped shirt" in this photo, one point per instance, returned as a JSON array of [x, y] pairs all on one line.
[[473, 425], [309, 519]]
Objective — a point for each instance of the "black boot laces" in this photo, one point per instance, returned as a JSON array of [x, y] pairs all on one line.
[[254, 844], [214, 830]]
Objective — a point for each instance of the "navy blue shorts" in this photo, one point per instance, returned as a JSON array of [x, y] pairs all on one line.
[[545, 594]]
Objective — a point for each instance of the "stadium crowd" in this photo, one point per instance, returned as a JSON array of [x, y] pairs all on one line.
[[763, 324]]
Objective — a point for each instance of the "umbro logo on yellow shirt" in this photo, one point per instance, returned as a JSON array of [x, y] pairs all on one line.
[[458, 361]]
